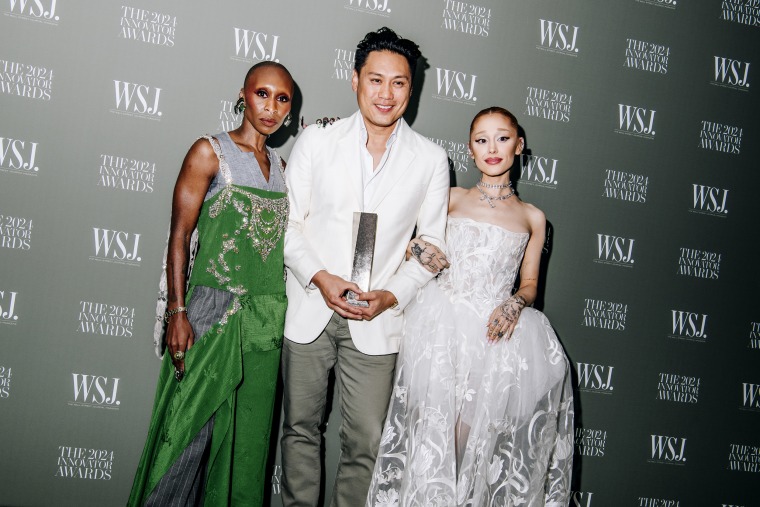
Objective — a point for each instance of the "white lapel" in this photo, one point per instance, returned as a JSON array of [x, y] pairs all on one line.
[[348, 157]]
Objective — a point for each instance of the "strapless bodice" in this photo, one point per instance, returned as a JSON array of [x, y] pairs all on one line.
[[485, 259]]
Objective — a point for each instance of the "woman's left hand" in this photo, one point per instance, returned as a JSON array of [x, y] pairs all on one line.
[[503, 319]]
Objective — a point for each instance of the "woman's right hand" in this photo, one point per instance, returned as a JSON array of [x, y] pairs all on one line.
[[198, 170], [179, 338], [430, 256]]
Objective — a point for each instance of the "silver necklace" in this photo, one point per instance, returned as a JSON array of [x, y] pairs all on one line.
[[490, 198], [497, 185]]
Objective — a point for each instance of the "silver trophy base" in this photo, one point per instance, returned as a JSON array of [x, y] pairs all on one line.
[[351, 299]]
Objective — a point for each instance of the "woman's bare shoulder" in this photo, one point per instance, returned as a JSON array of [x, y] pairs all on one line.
[[456, 197], [533, 216], [457, 192]]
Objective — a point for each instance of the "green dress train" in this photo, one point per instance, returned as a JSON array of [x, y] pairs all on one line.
[[231, 371]]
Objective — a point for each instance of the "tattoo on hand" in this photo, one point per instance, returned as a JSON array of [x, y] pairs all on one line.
[[425, 255], [416, 251], [511, 308]]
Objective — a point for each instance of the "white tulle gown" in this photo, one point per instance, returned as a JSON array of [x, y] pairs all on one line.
[[473, 424]]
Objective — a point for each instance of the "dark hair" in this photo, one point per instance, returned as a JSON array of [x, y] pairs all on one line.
[[266, 63], [495, 110], [386, 39]]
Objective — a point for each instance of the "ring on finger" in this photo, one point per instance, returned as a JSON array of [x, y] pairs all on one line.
[[179, 355]]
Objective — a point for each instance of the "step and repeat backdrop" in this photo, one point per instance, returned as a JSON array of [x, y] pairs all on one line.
[[642, 125]]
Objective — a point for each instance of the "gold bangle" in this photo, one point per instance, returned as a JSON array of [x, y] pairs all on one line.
[[169, 313]]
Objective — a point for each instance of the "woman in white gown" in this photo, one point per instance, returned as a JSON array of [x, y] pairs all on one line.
[[482, 407]]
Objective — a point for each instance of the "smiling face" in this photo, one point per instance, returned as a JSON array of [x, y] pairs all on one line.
[[268, 93], [383, 87], [494, 143]]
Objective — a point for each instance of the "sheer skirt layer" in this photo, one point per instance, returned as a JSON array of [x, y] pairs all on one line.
[[473, 424]]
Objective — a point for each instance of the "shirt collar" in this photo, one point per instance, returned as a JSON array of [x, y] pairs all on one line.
[[364, 135]]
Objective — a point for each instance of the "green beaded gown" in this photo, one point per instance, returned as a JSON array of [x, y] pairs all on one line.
[[231, 371]]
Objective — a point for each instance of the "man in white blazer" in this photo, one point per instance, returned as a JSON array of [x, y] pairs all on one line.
[[372, 162]]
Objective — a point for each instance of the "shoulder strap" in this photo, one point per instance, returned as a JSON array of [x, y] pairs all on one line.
[[224, 168]]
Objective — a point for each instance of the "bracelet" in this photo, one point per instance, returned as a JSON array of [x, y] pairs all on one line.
[[169, 313], [395, 303]]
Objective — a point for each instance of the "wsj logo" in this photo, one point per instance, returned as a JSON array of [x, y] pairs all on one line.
[[456, 86], [731, 73], [8, 307], [137, 99], [689, 325], [614, 250], [595, 378], [95, 391], [670, 450], [36, 9], [255, 46], [751, 396], [709, 200], [540, 171], [18, 155], [558, 37], [379, 7], [580, 499], [116, 246], [636, 121]]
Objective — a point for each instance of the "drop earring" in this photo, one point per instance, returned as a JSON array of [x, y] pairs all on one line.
[[288, 119], [239, 106]]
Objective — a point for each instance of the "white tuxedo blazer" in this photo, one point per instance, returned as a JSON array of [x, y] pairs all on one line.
[[325, 188]]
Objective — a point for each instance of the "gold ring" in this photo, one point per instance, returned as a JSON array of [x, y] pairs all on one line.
[[179, 355]]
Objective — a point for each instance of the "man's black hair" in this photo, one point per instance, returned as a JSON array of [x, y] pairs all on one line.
[[386, 39]]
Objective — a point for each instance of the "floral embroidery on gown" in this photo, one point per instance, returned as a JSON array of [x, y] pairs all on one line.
[[473, 424]]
